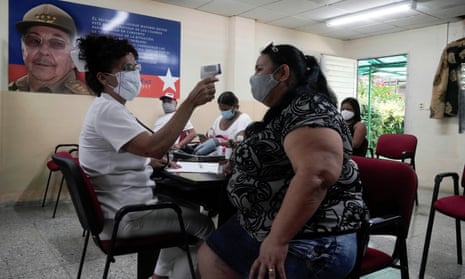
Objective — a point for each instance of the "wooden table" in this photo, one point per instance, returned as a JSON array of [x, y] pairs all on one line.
[[206, 189]]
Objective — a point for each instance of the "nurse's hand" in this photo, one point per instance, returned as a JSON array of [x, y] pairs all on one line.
[[203, 92]]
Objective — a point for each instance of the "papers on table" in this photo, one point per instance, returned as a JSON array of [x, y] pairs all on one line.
[[196, 167]]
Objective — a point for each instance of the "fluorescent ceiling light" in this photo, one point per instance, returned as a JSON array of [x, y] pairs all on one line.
[[397, 7]]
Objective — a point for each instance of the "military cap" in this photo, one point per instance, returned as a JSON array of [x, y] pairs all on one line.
[[47, 15]]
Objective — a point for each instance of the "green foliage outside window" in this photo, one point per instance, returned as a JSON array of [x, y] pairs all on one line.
[[387, 110]]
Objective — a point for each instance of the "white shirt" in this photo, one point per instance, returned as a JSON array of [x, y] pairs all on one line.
[[164, 118], [237, 126], [119, 177]]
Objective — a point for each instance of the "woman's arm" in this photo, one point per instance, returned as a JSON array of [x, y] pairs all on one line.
[[157, 144], [190, 135], [316, 155], [360, 133]]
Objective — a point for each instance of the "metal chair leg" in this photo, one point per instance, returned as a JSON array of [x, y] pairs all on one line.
[[83, 255], [46, 188], [429, 231], [58, 197], [458, 236]]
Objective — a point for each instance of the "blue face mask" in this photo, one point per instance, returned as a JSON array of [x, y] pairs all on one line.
[[227, 114]]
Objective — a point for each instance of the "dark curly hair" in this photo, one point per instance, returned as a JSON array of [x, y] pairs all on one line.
[[101, 53]]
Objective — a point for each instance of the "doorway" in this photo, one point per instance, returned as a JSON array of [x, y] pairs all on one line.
[[381, 84]]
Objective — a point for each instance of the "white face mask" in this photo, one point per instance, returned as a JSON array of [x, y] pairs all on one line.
[[168, 107], [347, 114], [129, 84], [262, 84]]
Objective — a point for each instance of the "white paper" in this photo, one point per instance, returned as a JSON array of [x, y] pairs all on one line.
[[196, 167]]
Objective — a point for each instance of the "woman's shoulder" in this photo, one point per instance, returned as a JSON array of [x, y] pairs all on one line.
[[244, 116], [359, 125]]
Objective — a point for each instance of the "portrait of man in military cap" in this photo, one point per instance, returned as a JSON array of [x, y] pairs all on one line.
[[47, 38]]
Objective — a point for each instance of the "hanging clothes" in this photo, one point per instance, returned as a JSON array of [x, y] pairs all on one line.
[[445, 96]]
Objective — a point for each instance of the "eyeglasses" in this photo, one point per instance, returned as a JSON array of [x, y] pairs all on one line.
[[132, 67], [35, 41]]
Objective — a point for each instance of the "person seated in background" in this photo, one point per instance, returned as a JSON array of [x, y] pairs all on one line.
[[169, 104], [296, 188], [350, 110], [119, 154], [228, 128]]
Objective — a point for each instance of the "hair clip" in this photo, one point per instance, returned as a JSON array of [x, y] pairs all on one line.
[[272, 47]]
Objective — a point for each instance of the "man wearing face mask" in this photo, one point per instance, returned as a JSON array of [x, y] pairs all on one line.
[[119, 154], [169, 104], [227, 127]]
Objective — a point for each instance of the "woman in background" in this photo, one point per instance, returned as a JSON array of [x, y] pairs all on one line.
[[350, 110], [228, 127]]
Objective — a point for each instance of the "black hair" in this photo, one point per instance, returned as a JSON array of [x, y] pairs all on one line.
[[101, 53], [306, 76], [228, 98], [355, 105]]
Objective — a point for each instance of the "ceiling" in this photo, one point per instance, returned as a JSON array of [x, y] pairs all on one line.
[[310, 15]]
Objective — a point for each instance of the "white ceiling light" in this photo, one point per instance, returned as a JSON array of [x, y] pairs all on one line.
[[397, 7]]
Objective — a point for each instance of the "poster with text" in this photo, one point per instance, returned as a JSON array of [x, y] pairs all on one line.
[[156, 40]]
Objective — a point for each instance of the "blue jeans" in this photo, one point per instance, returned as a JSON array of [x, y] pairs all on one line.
[[319, 258]]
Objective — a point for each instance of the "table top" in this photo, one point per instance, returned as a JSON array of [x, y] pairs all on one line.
[[196, 178]]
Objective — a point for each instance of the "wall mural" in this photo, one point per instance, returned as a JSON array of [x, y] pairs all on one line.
[[42, 34]]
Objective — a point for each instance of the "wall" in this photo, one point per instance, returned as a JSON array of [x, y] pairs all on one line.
[[31, 124], [440, 146]]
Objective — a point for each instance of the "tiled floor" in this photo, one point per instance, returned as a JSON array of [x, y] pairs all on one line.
[[33, 245]]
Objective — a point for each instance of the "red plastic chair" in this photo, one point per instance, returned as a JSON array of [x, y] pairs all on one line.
[[71, 148], [400, 147], [452, 206], [389, 189], [90, 216]]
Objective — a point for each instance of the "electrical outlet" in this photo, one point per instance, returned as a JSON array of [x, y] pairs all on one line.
[[422, 106]]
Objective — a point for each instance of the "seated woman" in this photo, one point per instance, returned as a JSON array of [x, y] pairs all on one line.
[[119, 154], [228, 128], [296, 188], [350, 110]]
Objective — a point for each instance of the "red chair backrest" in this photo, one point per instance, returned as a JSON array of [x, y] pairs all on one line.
[[82, 193], [393, 145], [389, 187]]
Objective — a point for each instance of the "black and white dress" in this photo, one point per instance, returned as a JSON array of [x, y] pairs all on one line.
[[262, 173]]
